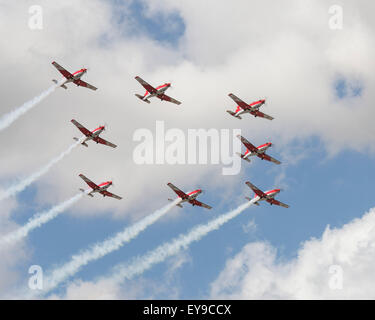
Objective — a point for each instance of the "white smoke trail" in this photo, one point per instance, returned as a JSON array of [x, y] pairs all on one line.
[[7, 119], [101, 249], [38, 220], [30, 179], [161, 253]]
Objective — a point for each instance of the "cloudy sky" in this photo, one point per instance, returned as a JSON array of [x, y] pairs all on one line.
[[312, 60]]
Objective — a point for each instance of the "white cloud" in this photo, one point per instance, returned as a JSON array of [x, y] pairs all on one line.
[[12, 256], [252, 50], [284, 51], [257, 272]]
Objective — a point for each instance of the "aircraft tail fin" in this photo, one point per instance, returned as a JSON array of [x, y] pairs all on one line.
[[242, 156], [83, 143], [84, 191], [233, 114], [178, 205], [142, 98], [249, 199], [62, 86]]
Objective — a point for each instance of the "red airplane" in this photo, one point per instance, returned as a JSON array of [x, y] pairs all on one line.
[[155, 92], [252, 150], [92, 135], [72, 77], [101, 188], [188, 197], [267, 196], [252, 108]]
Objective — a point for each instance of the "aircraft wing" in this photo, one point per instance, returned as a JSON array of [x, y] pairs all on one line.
[[63, 71], [256, 190], [200, 204], [82, 83], [102, 141], [269, 158], [278, 203], [241, 103], [247, 144], [179, 192], [145, 85], [168, 98], [261, 114], [110, 194], [89, 182], [81, 128]]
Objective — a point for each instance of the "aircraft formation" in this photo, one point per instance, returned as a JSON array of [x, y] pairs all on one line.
[[159, 92]]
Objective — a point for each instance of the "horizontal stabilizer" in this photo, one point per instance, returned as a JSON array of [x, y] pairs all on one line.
[[233, 114], [84, 191], [242, 156], [139, 96], [249, 199], [177, 205]]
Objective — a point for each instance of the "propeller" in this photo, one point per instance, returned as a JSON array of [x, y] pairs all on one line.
[[265, 101], [171, 81], [200, 188]]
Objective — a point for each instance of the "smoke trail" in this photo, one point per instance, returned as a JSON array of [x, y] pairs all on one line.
[[145, 262], [30, 179], [101, 249], [7, 119], [38, 220]]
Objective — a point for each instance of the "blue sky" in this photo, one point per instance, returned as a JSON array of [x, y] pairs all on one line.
[[320, 189], [319, 194]]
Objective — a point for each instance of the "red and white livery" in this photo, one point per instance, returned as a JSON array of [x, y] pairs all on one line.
[[188, 197], [101, 188], [266, 196], [155, 92], [72, 77], [92, 135], [252, 108], [259, 151]]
